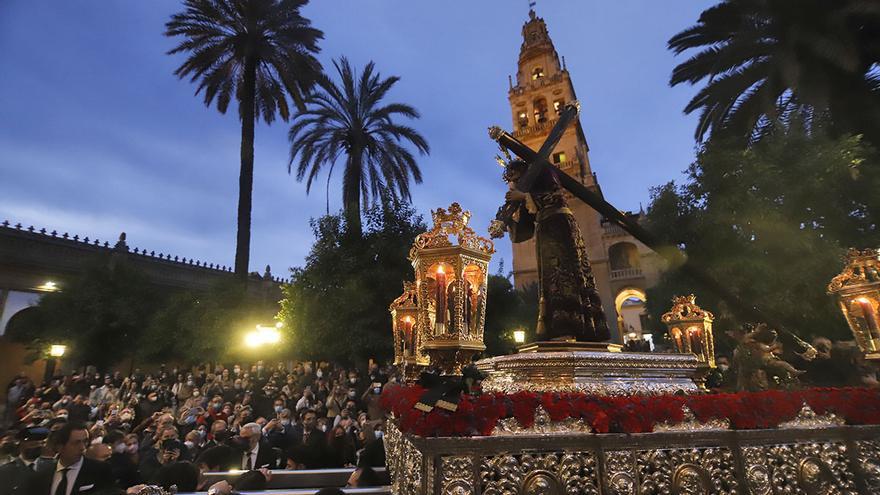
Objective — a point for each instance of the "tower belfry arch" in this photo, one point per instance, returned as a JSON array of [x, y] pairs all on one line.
[[538, 92]]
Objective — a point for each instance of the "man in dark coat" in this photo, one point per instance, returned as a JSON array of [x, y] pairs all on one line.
[[21, 472], [72, 473]]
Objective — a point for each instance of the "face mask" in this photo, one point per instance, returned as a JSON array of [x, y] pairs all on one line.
[[319, 374], [323, 428], [353, 380], [351, 394], [189, 444], [278, 409], [195, 393], [131, 449], [119, 448], [31, 453], [285, 422], [380, 434]]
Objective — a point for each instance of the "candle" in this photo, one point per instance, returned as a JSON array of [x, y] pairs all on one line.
[[408, 345], [870, 316], [676, 334], [695, 341], [440, 299]]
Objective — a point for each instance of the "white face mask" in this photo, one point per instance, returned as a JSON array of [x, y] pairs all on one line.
[[323, 428], [379, 434], [119, 448], [319, 374]]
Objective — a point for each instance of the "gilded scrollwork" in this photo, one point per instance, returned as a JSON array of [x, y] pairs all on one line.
[[554, 473], [620, 472], [807, 418], [457, 475], [690, 423], [404, 461], [695, 471], [543, 425], [869, 463], [803, 468]]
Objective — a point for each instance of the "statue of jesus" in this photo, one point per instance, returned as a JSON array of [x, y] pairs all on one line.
[[569, 306]]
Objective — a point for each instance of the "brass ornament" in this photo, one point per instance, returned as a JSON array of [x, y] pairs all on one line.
[[543, 426], [690, 479], [690, 329], [857, 290], [807, 418], [451, 279]]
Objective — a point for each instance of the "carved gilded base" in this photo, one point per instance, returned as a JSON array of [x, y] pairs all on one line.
[[800, 461], [596, 372]]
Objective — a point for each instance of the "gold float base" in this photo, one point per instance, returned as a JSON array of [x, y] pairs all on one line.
[[569, 345], [815, 460], [600, 369]]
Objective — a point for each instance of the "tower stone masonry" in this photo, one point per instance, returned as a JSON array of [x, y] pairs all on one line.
[[623, 267]]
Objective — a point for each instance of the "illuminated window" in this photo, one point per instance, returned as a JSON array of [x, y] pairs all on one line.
[[557, 105], [537, 73], [540, 106], [523, 119], [559, 157]]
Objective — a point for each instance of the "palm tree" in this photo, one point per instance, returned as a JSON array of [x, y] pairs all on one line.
[[257, 51], [351, 119], [768, 60]]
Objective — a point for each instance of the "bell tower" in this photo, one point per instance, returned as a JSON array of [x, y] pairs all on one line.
[[542, 87]]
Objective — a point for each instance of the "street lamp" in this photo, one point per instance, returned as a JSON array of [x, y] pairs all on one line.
[[56, 351], [263, 335], [519, 336]]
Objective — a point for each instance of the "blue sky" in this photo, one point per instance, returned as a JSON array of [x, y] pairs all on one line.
[[98, 137]]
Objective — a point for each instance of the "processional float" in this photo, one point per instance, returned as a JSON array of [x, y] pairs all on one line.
[[558, 416]]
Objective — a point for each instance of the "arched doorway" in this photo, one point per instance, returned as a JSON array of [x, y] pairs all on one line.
[[629, 304]]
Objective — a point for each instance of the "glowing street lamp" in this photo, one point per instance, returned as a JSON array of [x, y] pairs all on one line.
[[57, 350], [263, 335], [519, 336]]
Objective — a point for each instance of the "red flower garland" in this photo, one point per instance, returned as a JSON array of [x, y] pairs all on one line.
[[478, 415]]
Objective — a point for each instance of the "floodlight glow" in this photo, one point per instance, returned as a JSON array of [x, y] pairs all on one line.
[[57, 350]]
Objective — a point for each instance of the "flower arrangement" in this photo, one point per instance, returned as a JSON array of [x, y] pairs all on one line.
[[477, 415]]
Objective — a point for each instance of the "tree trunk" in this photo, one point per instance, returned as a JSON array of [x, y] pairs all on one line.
[[246, 175], [351, 192]]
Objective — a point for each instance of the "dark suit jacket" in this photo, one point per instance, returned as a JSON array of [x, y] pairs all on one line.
[[316, 440], [94, 478], [267, 456], [16, 477]]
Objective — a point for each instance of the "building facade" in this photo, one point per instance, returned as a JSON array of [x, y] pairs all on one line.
[[623, 267]]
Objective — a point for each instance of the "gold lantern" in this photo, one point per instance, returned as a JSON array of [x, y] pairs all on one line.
[[450, 285], [857, 289], [690, 329], [408, 355]]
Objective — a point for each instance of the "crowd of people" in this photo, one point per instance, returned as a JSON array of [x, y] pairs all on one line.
[[171, 426]]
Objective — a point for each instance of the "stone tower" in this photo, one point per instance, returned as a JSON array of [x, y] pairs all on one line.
[[622, 266]]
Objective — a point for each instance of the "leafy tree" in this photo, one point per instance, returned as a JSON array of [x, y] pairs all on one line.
[[197, 327], [101, 314], [336, 306], [350, 118], [766, 60], [258, 52], [508, 309], [772, 222]]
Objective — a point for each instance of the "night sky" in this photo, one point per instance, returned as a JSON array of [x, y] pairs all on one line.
[[97, 136]]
